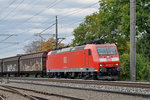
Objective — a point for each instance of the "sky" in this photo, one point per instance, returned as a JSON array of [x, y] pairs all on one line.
[[20, 20]]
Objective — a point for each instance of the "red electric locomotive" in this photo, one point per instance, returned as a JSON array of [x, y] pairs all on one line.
[[87, 61]]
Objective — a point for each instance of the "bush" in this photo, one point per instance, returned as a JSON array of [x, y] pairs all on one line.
[[142, 68]]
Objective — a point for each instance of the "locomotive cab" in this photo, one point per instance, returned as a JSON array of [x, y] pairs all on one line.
[[105, 59], [109, 62]]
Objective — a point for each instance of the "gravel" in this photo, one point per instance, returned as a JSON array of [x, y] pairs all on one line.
[[11, 96], [78, 93], [126, 90]]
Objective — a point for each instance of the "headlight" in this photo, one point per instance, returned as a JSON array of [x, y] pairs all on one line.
[[115, 59], [101, 65], [116, 64], [102, 60]]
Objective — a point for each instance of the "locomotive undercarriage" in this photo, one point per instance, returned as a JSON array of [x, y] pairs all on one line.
[[109, 73], [104, 73]]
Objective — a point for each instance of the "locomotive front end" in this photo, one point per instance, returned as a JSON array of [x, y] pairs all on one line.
[[108, 60]]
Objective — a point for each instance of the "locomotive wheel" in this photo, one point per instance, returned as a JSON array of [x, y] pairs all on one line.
[[27, 75], [16, 75], [85, 75], [98, 76], [50, 75], [8, 75], [41, 75], [69, 75], [55, 75], [36, 75], [93, 76], [72, 75]]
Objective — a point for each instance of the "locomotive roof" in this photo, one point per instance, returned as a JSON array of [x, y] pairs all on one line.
[[106, 44], [68, 49]]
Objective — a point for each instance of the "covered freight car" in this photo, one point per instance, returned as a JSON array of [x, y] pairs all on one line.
[[33, 64], [10, 66], [0, 67]]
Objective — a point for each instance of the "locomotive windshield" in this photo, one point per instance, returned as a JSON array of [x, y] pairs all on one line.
[[106, 50]]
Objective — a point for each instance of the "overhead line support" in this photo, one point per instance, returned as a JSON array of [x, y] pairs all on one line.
[[133, 40]]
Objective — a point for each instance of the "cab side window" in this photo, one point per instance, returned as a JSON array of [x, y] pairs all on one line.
[[89, 52]]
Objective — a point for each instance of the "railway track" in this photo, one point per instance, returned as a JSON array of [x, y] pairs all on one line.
[[145, 85], [141, 89], [1, 97], [30, 97], [35, 97]]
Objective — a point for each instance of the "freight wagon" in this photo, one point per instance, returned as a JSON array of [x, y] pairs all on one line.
[[10, 66], [1, 67], [33, 64], [27, 64]]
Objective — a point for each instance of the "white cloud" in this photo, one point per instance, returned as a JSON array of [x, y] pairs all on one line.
[[74, 12], [68, 40], [35, 30], [86, 1], [18, 17], [65, 30]]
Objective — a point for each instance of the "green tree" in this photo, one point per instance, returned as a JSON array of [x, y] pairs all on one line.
[[143, 42], [112, 23], [142, 68]]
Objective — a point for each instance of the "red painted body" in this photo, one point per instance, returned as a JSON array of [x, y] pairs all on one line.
[[82, 59]]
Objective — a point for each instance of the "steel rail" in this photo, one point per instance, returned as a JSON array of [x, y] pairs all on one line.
[[91, 82], [76, 83], [1, 97]]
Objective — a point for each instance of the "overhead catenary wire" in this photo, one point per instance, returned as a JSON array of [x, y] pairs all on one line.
[[11, 46], [13, 15], [30, 39], [77, 11], [6, 38], [48, 7], [62, 18], [11, 3], [47, 28], [74, 12], [12, 11], [66, 15]]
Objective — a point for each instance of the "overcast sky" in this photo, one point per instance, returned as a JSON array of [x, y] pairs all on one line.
[[24, 18]]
